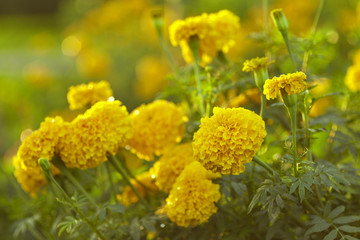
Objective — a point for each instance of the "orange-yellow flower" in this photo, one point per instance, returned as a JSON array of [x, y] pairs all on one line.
[[81, 95], [228, 140], [171, 164], [157, 127], [192, 199], [291, 83]]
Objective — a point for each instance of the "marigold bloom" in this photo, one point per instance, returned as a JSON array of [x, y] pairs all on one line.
[[192, 199], [81, 95], [255, 64], [292, 83], [171, 164], [228, 139], [31, 179], [42, 142], [216, 32], [144, 185], [102, 130], [157, 127], [352, 78]]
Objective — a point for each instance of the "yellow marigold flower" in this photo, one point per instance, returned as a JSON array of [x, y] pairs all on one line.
[[157, 127], [31, 179], [352, 78], [102, 130], [255, 64], [93, 64], [81, 95], [192, 199], [292, 83], [228, 139], [144, 184], [170, 165], [41, 143], [216, 32]]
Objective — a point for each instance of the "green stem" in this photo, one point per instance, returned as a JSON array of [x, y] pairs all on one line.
[[199, 88], [257, 160], [310, 207], [60, 165], [112, 187], [263, 104], [50, 178], [209, 102], [292, 113], [305, 116], [35, 233], [114, 162], [287, 43]]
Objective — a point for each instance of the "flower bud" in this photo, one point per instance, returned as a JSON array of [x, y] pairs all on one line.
[[279, 19], [44, 164]]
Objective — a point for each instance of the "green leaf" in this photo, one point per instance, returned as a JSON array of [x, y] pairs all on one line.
[[117, 208], [239, 188], [279, 201], [294, 186], [254, 201], [336, 212], [301, 191], [331, 235], [135, 229], [102, 214], [349, 229], [319, 227], [149, 225], [347, 219], [350, 237]]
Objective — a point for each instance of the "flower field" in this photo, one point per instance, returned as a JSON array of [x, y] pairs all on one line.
[[171, 120]]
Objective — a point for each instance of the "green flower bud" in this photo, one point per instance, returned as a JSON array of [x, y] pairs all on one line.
[[279, 19], [44, 165]]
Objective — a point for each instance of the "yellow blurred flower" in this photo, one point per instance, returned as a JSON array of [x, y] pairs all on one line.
[[93, 64], [171, 164], [150, 72], [320, 106], [144, 184], [291, 83], [300, 14], [255, 64], [81, 95], [352, 78], [41, 143], [192, 199], [228, 140], [157, 127], [233, 99], [37, 75], [216, 32], [31, 179], [90, 137]]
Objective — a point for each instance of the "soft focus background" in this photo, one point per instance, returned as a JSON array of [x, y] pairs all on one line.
[[48, 45]]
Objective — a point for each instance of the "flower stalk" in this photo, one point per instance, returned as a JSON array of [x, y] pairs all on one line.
[[266, 166], [115, 163], [195, 48], [65, 171], [45, 167]]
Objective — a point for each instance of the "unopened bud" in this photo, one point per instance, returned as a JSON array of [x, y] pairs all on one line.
[[279, 19], [44, 165]]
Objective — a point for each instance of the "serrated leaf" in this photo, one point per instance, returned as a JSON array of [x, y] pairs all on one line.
[[301, 190], [135, 229], [347, 219], [294, 186], [350, 237], [319, 227], [254, 201], [279, 201], [336, 212], [102, 214], [331, 235], [349, 229], [149, 225], [117, 208]]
